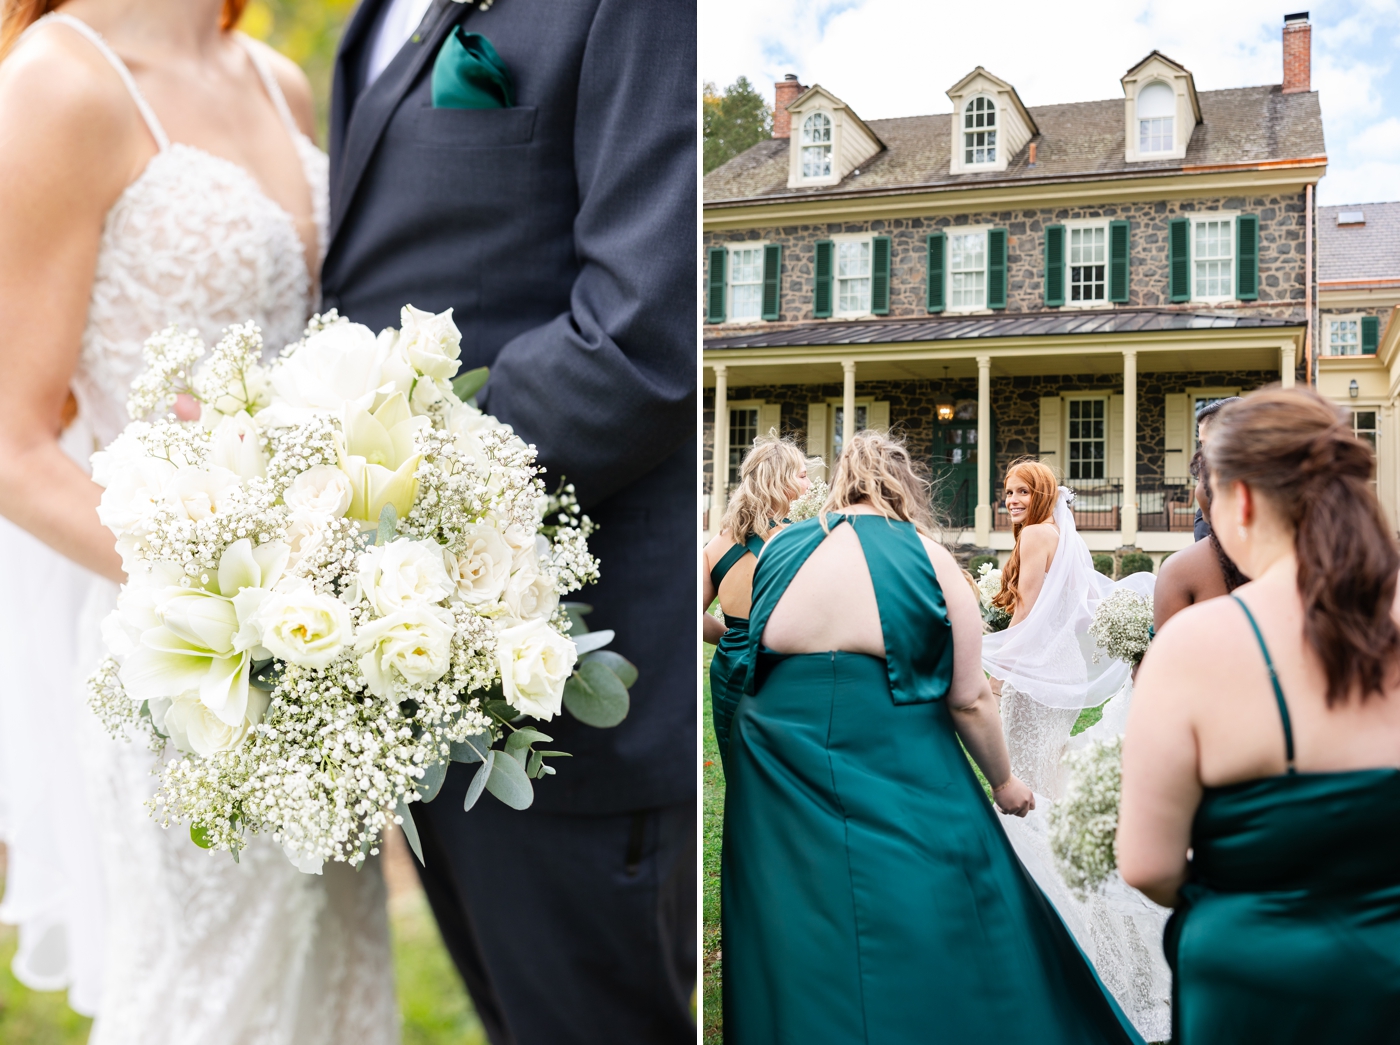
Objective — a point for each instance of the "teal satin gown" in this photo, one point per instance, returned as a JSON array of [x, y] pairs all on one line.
[[729, 653], [1289, 927], [869, 894]]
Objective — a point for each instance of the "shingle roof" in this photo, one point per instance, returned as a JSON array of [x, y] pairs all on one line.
[[1243, 125], [1358, 252], [944, 328]]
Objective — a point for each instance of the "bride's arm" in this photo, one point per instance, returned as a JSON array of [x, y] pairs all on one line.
[[70, 141]]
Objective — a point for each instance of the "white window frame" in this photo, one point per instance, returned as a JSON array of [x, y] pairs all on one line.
[[1140, 120], [729, 282], [1070, 228], [755, 405], [1194, 395], [876, 411], [963, 133], [964, 230], [836, 243], [1354, 317], [1103, 398], [1198, 219], [803, 145]]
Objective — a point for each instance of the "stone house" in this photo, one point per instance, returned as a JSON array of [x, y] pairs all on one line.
[[1067, 282]]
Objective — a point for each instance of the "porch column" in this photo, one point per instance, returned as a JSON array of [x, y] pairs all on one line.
[[985, 451], [1287, 364], [719, 479], [1130, 512], [848, 404]]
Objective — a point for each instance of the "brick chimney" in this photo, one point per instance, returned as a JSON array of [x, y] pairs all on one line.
[[785, 92], [1297, 53]]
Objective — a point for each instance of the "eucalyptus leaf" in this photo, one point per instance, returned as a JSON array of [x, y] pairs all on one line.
[[593, 640], [388, 525], [502, 710], [619, 665], [595, 696], [473, 749], [431, 784], [200, 837], [534, 765], [576, 612], [509, 783], [470, 383], [478, 783], [519, 741], [410, 831]]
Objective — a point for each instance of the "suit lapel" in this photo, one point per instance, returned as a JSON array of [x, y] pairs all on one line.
[[371, 112], [345, 85]]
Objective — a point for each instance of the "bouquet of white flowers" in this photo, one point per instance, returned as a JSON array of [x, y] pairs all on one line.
[[1084, 823], [810, 503], [341, 577], [989, 586], [1122, 627]]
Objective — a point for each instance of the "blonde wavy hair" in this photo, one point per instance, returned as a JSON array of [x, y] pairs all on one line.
[[878, 470], [767, 487]]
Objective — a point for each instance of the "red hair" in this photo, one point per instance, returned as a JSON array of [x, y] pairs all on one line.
[[18, 15], [1044, 489]]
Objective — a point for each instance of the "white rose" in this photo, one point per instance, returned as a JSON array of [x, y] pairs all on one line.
[[135, 490], [535, 662], [530, 595], [480, 572], [306, 531], [236, 445], [200, 493], [403, 573], [193, 727], [416, 642], [338, 366], [432, 344], [322, 489], [123, 451], [302, 627]]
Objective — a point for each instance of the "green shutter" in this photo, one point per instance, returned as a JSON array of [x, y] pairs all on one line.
[[1370, 334], [1180, 265], [1118, 253], [880, 276], [714, 311], [772, 280], [1054, 265], [935, 271], [996, 268], [1247, 257], [821, 297]]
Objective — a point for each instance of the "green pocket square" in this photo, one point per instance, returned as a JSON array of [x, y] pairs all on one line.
[[469, 74]]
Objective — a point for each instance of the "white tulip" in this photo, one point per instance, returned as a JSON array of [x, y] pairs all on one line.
[[479, 573], [403, 573], [415, 643], [236, 445], [535, 662], [322, 489]]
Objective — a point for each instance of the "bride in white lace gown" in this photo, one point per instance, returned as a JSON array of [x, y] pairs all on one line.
[[108, 217], [1045, 664]]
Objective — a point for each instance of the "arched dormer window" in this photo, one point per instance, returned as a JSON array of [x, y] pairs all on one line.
[[816, 146], [1156, 115], [979, 131]]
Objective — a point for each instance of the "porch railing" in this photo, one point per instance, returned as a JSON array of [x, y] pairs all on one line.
[[1098, 505]]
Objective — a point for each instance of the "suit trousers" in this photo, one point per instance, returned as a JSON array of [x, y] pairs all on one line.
[[566, 928]]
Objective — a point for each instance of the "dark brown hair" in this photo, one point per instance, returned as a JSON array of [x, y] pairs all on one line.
[[1298, 451], [1044, 489], [18, 15]]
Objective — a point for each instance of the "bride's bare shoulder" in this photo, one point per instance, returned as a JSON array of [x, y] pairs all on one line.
[[1038, 535], [296, 88]]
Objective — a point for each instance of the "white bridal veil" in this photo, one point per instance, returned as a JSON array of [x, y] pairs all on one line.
[[1049, 656]]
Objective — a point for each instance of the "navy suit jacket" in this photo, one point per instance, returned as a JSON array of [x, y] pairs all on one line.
[[562, 234]]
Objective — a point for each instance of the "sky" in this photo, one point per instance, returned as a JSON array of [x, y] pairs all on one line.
[[898, 58]]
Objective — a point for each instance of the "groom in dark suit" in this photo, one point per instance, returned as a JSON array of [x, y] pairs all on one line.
[[531, 164]]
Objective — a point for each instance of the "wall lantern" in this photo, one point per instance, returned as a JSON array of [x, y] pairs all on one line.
[[944, 407], [1352, 388]]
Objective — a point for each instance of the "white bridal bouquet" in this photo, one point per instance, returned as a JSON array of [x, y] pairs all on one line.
[[341, 577], [989, 587], [1122, 627], [810, 503], [1084, 823]]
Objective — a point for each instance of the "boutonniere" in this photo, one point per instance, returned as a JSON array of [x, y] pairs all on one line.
[[484, 5]]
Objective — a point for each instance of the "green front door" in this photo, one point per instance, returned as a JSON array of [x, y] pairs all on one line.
[[954, 467]]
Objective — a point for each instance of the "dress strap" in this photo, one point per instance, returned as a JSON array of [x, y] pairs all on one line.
[[754, 545], [271, 86], [1273, 677], [95, 38]]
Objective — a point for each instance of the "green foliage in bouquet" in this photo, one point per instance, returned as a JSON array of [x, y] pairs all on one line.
[[1084, 823]]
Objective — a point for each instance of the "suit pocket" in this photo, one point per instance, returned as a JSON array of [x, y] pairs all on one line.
[[470, 128]]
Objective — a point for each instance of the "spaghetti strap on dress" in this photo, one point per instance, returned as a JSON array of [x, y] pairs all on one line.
[[724, 687]]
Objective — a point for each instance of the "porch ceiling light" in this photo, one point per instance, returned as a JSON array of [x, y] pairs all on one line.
[[1352, 388], [944, 407]]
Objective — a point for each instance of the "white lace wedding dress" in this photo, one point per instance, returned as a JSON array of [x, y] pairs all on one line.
[[1049, 677], [167, 943]]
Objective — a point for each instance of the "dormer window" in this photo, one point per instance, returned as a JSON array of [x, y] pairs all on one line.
[[816, 146], [1156, 110], [979, 131]]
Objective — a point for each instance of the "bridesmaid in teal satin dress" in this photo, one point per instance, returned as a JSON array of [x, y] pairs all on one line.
[[773, 475], [869, 895], [1264, 740]]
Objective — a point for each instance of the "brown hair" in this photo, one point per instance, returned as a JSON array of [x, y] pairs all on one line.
[[1044, 489], [18, 15], [767, 483], [1297, 450], [877, 469]]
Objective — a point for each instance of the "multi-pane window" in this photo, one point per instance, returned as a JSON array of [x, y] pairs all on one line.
[[816, 146], [1088, 439], [1344, 337], [1155, 105], [979, 131], [1214, 257], [1087, 263], [746, 283], [967, 269], [838, 430], [1363, 426], [853, 276], [743, 430]]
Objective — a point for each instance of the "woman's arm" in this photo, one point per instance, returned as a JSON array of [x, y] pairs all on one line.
[[1038, 544], [711, 628], [975, 715], [70, 142]]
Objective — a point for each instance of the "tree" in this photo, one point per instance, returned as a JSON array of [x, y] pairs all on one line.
[[734, 121]]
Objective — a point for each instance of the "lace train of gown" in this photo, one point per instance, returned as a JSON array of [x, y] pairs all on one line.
[[1119, 929], [197, 948]]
